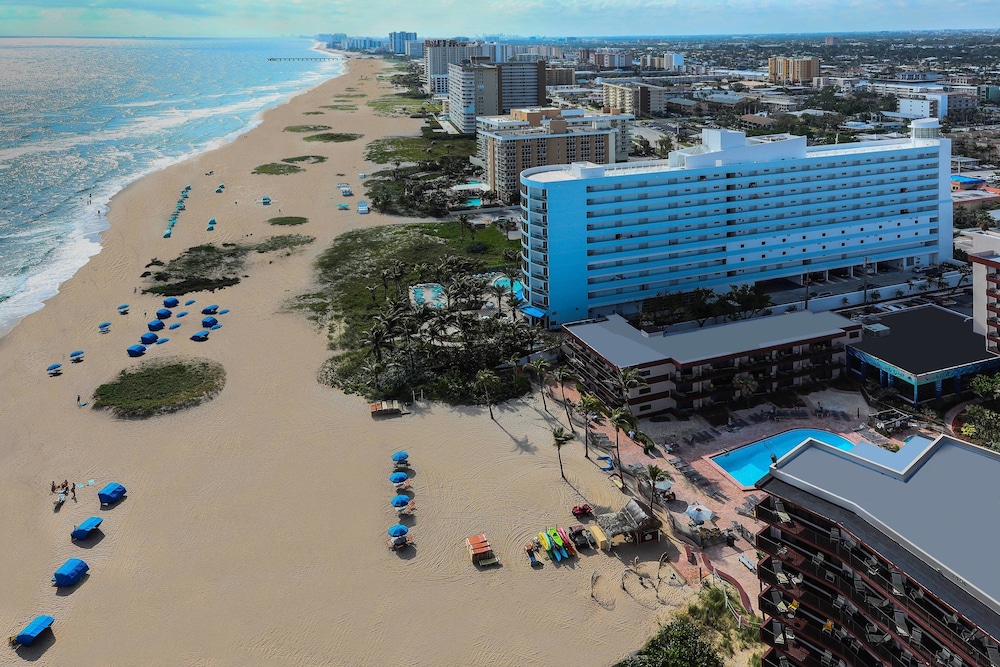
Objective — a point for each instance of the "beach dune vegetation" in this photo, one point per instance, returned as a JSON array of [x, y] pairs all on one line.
[[160, 386], [277, 169], [289, 220], [307, 128], [310, 159], [334, 137]]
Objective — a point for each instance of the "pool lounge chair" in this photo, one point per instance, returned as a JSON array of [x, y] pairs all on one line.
[[779, 509]]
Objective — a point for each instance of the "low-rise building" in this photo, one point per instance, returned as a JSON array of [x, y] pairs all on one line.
[[697, 368], [872, 558]]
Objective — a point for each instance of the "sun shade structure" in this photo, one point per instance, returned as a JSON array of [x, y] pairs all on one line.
[[124, 306], [84, 529], [174, 325], [31, 631], [155, 325], [189, 302], [209, 322], [148, 338], [111, 493], [76, 353], [70, 572], [398, 530], [163, 313], [400, 456], [398, 477], [54, 367], [171, 302], [201, 336], [400, 501], [699, 513], [136, 350], [210, 310]]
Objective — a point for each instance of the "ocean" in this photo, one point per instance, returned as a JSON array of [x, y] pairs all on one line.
[[82, 118]]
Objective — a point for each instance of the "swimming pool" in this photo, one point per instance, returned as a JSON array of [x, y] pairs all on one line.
[[476, 201], [751, 462], [504, 281]]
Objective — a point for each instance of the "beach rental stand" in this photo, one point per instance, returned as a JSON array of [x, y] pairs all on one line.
[[111, 494], [83, 530], [136, 350], [32, 630], [70, 572]]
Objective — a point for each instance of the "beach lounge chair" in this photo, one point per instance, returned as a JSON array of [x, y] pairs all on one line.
[[779, 573], [618, 481], [779, 602], [776, 630], [779, 509], [608, 466], [749, 564]]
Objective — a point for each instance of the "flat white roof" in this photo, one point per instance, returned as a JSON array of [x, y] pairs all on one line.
[[623, 345], [938, 498]]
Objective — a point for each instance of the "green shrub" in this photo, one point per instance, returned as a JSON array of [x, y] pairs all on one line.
[[285, 242], [288, 220], [306, 128], [336, 137], [160, 386], [277, 169], [311, 159]]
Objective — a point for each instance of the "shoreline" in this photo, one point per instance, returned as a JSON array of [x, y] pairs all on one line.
[[97, 223], [255, 524]]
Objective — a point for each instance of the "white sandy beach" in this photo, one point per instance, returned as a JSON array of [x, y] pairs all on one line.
[[254, 528]]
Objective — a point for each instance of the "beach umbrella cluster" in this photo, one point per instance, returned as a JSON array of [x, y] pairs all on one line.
[[151, 338]]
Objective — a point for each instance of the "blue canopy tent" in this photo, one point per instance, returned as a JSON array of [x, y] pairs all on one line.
[[148, 338], [171, 302], [155, 325], [200, 336], [136, 350], [175, 325], [210, 310], [111, 494], [163, 313], [70, 572], [83, 530], [209, 322], [33, 629]]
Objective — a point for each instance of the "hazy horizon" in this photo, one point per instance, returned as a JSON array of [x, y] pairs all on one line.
[[549, 18]]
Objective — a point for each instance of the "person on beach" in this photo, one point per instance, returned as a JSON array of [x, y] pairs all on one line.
[[53, 486], [72, 489], [65, 484]]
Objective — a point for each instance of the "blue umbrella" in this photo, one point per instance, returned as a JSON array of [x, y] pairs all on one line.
[[215, 326], [161, 341], [400, 456], [175, 325], [398, 530], [77, 353], [223, 311], [124, 306], [398, 477], [104, 325], [54, 367], [400, 501], [189, 302], [163, 313], [170, 302], [182, 313]]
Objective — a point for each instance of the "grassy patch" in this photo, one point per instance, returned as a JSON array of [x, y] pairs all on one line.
[[210, 267], [335, 137], [306, 128], [311, 159], [414, 149], [288, 220], [340, 107], [277, 169], [160, 386], [312, 113], [347, 96]]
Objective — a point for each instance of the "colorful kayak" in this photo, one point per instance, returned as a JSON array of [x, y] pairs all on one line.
[[549, 548], [567, 543], [557, 543]]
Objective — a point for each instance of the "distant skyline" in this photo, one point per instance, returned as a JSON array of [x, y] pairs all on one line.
[[447, 18]]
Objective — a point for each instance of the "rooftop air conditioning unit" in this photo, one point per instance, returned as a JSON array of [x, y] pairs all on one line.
[[876, 330]]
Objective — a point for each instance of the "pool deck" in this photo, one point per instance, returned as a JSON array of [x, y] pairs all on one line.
[[731, 503]]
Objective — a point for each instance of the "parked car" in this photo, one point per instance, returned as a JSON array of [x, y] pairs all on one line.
[[823, 294]]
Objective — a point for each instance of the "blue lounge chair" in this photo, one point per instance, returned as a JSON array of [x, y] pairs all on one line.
[[610, 464]]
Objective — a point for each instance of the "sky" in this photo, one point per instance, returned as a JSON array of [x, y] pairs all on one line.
[[469, 18]]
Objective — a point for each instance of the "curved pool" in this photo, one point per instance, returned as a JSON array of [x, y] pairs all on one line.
[[504, 281], [749, 463]]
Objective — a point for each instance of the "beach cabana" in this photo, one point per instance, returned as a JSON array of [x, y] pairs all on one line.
[[155, 325], [83, 530], [31, 631], [148, 338], [171, 302], [70, 572], [111, 494], [163, 313], [210, 310], [201, 336], [209, 322], [136, 350]]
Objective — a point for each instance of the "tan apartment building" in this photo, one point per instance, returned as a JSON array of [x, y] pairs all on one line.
[[636, 98], [560, 76], [438, 54], [792, 70], [487, 88], [527, 138]]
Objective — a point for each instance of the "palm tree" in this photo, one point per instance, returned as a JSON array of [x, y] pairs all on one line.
[[588, 405], [498, 292], [655, 474], [620, 419], [563, 374], [540, 368], [485, 381], [463, 223], [559, 438], [747, 385], [378, 339], [627, 379]]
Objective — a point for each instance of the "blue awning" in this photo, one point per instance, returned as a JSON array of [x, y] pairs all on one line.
[[531, 311]]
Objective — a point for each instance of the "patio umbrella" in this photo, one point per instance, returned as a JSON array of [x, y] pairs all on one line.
[[182, 313], [171, 302], [699, 513], [223, 311], [664, 485], [398, 530], [400, 501], [124, 306], [189, 302], [54, 367], [161, 341], [398, 477], [174, 325], [76, 353], [104, 325], [400, 456]]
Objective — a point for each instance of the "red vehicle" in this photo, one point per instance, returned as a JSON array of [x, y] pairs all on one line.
[[582, 510]]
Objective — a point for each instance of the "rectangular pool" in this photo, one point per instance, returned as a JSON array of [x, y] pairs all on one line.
[[749, 463]]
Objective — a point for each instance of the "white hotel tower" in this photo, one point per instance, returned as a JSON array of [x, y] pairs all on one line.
[[733, 210]]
